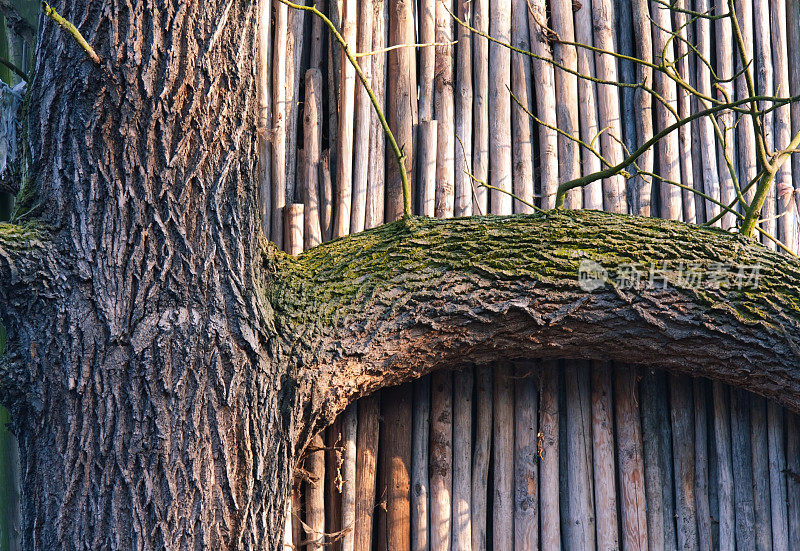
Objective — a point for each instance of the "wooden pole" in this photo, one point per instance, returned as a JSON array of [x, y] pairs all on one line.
[[326, 196], [363, 121], [293, 228], [444, 107], [462, 183], [587, 106], [631, 462], [315, 494], [462, 460], [608, 103], [722, 438], [708, 152], [503, 499], [427, 58], [318, 38], [521, 123], [742, 469], [500, 107], [396, 443], [759, 439], [701, 462], [683, 451], [480, 75], [480, 457], [265, 112], [441, 466], [544, 77], [526, 471], [345, 130], [420, 436], [764, 79], [401, 100], [579, 518], [312, 135], [669, 165], [377, 138], [657, 461], [777, 476], [793, 62], [745, 139], [643, 112], [426, 166], [333, 492], [786, 206], [723, 39], [369, 409], [792, 479], [349, 437], [605, 494], [567, 92], [278, 133], [294, 53], [685, 109], [548, 457]]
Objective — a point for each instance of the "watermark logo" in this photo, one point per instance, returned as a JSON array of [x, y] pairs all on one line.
[[591, 275]]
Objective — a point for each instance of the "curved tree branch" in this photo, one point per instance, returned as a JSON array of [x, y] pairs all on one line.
[[391, 304]]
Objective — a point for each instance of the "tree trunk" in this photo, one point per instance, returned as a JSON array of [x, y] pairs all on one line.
[[166, 365]]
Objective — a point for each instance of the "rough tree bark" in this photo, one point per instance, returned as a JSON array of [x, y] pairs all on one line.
[[166, 365]]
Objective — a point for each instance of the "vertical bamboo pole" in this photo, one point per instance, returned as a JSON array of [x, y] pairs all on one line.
[[745, 140], [293, 228], [345, 130], [759, 439], [278, 133], [462, 183], [349, 458], [544, 77], [333, 492], [326, 196], [786, 207], [480, 71], [579, 517], [643, 112], [793, 62], [503, 503], [480, 457], [764, 78], [631, 461], [708, 152], [441, 462], [701, 462], [722, 438], [312, 116], [724, 62], [294, 53], [683, 449], [427, 57], [462, 460], [377, 138], [777, 476], [363, 121], [669, 166], [521, 123], [396, 446], [587, 102], [444, 107], [608, 103], [657, 462], [426, 166], [420, 482], [548, 457], [792, 478], [401, 100], [569, 157], [526, 472], [315, 494], [500, 107], [605, 494], [685, 108], [369, 409], [742, 469], [265, 112]]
